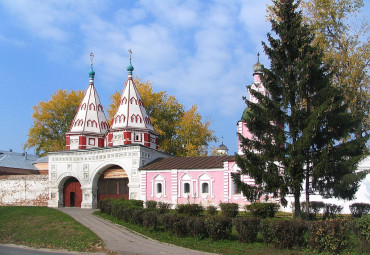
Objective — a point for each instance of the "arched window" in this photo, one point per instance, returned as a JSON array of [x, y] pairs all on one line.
[[132, 118], [205, 188], [158, 188], [205, 185], [186, 187], [124, 100]]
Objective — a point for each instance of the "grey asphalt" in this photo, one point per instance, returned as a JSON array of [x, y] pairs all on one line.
[[9, 249], [119, 239]]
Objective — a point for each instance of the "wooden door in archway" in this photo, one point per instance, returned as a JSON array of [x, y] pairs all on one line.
[[72, 193]]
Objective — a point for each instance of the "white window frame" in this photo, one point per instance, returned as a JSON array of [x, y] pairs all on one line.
[[92, 141], [186, 178], [206, 178], [158, 179]]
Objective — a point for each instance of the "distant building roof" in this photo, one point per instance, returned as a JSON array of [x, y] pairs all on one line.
[[9, 159], [208, 162], [42, 160]]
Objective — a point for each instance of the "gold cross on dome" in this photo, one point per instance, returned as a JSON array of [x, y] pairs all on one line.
[[91, 58]]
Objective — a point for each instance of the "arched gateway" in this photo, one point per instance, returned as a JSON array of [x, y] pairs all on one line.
[[72, 193], [113, 183], [104, 159]]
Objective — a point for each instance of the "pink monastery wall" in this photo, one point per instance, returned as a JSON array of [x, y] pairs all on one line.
[[25, 190], [203, 186]]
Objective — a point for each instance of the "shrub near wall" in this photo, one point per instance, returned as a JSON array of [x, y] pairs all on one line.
[[212, 210], [330, 236], [359, 209], [163, 207], [229, 209], [219, 227], [331, 211], [190, 209], [362, 231], [197, 227], [150, 220], [262, 210], [283, 234], [151, 204], [247, 228]]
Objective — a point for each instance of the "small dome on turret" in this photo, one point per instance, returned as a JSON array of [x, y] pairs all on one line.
[[258, 67], [130, 68], [222, 149], [91, 73]]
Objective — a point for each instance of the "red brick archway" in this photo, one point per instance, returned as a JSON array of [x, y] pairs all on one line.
[[72, 193]]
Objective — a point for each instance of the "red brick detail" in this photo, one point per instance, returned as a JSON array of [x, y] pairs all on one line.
[[127, 137], [100, 142], [147, 140], [82, 142], [110, 138], [68, 142]]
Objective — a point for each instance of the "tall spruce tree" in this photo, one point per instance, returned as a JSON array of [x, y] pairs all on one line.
[[299, 127]]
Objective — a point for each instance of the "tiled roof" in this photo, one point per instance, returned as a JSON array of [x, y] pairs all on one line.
[[188, 163], [17, 160]]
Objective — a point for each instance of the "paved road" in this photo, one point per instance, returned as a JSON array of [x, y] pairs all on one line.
[[22, 250], [121, 240]]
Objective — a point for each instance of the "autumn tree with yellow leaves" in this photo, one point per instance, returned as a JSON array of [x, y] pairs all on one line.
[[344, 38], [51, 120], [181, 133]]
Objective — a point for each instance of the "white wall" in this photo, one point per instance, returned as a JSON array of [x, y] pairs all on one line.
[[30, 190]]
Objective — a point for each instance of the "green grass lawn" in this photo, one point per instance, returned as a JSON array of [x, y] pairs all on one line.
[[43, 227], [232, 246]]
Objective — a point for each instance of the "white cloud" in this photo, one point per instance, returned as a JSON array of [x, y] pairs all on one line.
[[201, 52], [12, 41], [173, 13]]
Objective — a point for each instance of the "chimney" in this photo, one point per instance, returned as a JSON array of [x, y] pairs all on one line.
[[10, 150], [25, 155]]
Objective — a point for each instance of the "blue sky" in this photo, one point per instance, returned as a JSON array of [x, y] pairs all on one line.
[[202, 52]]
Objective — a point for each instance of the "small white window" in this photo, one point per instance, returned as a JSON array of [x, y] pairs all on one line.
[[137, 137], [205, 188], [186, 187], [159, 188], [91, 141]]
